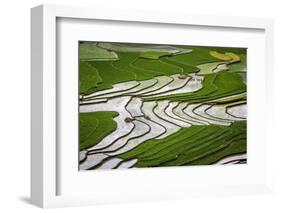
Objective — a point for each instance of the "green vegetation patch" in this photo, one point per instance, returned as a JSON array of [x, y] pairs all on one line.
[[110, 75], [189, 146], [89, 51], [126, 63], [153, 54], [199, 55], [240, 66], [186, 67], [158, 67], [131, 67], [89, 77], [94, 126], [142, 65], [215, 86]]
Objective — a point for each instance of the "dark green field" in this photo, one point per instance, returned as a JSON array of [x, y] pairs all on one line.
[[148, 105]]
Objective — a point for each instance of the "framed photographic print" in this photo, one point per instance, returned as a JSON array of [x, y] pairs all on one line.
[[147, 105]]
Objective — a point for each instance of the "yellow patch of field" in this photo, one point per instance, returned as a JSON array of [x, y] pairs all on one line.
[[220, 56], [228, 56], [234, 56]]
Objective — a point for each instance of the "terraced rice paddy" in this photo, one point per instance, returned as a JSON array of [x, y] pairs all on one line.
[[144, 105]]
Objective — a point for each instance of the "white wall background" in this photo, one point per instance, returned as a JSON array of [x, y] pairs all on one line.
[[15, 98]]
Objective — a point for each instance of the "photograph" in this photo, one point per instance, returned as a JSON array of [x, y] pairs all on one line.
[[161, 105]]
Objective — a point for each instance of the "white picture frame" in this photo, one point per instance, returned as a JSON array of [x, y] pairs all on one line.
[[45, 174]]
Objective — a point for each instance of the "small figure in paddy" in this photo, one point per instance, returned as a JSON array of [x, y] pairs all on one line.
[[129, 120], [182, 76]]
